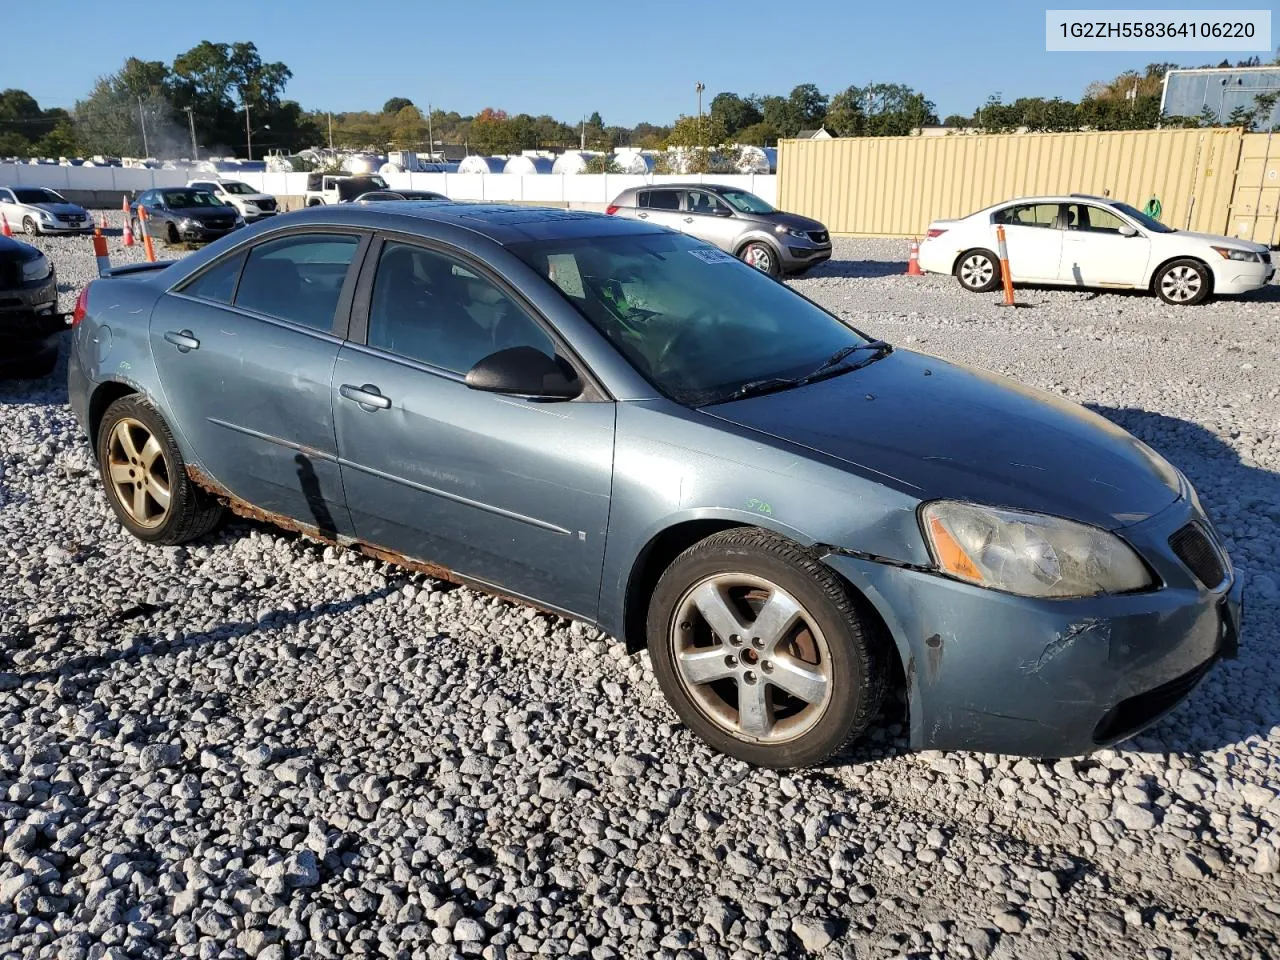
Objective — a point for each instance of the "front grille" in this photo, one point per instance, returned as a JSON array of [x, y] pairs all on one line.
[[819, 236], [1197, 550], [218, 224], [10, 275], [266, 204], [1129, 716]]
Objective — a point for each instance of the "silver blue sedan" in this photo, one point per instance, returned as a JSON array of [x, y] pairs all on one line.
[[621, 424]]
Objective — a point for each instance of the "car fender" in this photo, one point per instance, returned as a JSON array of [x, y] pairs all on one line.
[[757, 235]]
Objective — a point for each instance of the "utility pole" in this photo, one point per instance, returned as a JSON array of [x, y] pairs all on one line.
[[699, 87], [191, 120], [431, 143], [248, 134], [331, 131], [142, 119], [584, 133]]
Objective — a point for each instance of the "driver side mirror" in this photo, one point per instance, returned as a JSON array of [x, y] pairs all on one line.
[[721, 212], [524, 372], [1128, 231]]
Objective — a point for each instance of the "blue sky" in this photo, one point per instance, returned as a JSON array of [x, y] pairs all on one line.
[[632, 61]]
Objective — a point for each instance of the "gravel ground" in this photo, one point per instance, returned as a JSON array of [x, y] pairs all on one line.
[[258, 746]]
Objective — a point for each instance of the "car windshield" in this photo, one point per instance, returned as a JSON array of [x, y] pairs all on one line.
[[181, 199], [235, 186], [37, 195], [1151, 223], [699, 324], [745, 202]]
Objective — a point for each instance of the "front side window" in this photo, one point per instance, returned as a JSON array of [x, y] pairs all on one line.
[[297, 278], [1082, 216], [696, 322], [701, 202], [427, 306]]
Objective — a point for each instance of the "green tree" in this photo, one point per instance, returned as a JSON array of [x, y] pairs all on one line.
[[697, 137], [758, 134], [410, 128], [780, 114], [809, 105], [396, 104], [734, 112]]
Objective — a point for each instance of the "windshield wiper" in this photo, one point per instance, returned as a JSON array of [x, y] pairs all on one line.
[[754, 388]]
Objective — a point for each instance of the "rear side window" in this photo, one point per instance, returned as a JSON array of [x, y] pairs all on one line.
[[218, 283], [1028, 215], [297, 278], [663, 199]]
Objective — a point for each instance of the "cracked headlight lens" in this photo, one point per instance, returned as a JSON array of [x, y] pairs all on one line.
[[1030, 554]]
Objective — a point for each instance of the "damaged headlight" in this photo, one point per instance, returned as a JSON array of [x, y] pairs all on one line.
[[1029, 554], [36, 269]]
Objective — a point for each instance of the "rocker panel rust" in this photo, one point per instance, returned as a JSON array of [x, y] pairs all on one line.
[[242, 508]]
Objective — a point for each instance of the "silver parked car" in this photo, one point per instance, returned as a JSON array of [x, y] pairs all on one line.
[[732, 219], [41, 210]]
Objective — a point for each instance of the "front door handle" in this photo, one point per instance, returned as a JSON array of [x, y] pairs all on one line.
[[643, 216], [367, 395], [183, 340], [688, 219]]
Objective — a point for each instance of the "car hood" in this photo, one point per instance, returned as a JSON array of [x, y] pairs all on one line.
[[205, 213], [57, 207], [941, 430], [12, 251], [1218, 240], [792, 221]]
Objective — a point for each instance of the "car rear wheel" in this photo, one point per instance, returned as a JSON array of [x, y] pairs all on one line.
[[762, 257], [978, 271], [145, 476], [763, 651], [1183, 283], [29, 226]]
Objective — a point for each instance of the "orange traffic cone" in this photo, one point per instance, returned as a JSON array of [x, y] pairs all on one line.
[[100, 254], [97, 227], [127, 239], [146, 235], [913, 261], [4, 226]]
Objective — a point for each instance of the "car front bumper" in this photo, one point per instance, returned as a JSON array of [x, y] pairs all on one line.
[[993, 672], [1233, 276], [201, 234], [253, 216], [30, 323], [802, 255], [58, 226]]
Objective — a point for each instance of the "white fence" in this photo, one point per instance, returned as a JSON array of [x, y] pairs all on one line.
[[532, 188]]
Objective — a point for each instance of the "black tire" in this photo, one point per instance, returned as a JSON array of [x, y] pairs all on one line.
[[1185, 282], [763, 257], [854, 659], [136, 229], [171, 235], [191, 513], [978, 271], [29, 227]]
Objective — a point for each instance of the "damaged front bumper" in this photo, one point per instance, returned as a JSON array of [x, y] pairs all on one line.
[[999, 673]]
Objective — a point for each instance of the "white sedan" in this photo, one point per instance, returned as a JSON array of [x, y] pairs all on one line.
[[1083, 241]]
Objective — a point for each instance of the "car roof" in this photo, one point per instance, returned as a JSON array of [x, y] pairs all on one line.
[[502, 223]]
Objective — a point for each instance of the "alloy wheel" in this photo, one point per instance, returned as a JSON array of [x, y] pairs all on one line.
[[758, 257], [976, 271], [139, 474], [1181, 283], [751, 658]]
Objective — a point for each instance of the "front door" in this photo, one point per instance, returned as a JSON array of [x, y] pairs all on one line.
[[509, 491], [1096, 254], [1033, 239], [709, 218], [246, 352]]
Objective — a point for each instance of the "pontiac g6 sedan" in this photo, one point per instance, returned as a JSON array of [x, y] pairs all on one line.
[[624, 425]]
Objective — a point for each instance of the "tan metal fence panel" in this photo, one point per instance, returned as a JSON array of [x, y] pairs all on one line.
[[893, 186], [1255, 204]]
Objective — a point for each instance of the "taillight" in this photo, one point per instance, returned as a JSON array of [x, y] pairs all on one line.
[[82, 306], [611, 209], [935, 232]]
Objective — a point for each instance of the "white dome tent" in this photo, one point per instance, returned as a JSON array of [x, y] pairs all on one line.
[[757, 159], [526, 165], [572, 162], [478, 164], [633, 162]]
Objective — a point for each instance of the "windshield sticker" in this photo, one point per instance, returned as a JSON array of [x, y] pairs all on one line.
[[712, 255]]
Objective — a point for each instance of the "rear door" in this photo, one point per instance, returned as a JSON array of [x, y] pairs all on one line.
[[663, 206], [1096, 254], [1034, 240], [246, 352], [506, 490]]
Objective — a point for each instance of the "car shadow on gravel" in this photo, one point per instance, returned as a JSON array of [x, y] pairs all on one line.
[[856, 269], [1232, 689]]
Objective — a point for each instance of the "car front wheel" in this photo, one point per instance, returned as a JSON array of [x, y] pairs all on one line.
[[978, 271], [763, 651], [145, 476], [762, 257], [29, 226], [1183, 283]]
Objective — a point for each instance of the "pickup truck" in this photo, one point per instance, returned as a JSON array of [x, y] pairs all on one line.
[[339, 187]]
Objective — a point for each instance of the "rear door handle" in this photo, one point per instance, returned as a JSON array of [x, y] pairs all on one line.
[[367, 395], [643, 216], [183, 340], [688, 219]]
